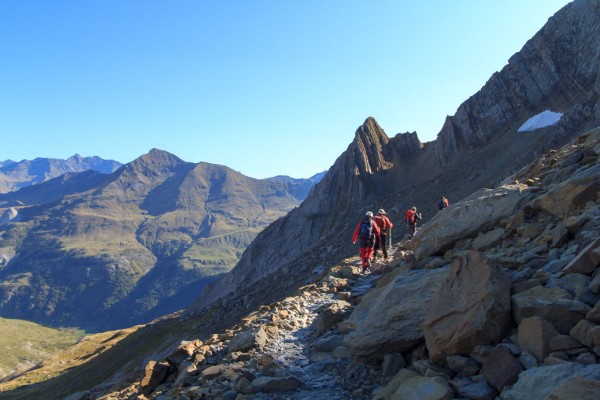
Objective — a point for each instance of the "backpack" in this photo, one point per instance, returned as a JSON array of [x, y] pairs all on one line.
[[366, 229], [410, 217], [443, 203]]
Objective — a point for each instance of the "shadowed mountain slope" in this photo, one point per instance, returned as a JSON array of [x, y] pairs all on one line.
[[104, 251], [558, 68]]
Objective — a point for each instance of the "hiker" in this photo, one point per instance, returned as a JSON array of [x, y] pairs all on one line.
[[411, 217], [383, 222], [366, 231], [443, 203]]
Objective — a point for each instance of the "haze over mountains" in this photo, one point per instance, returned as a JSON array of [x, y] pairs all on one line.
[[15, 175], [109, 250]]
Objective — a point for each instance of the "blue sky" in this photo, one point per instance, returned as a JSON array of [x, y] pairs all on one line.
[[266, 87]]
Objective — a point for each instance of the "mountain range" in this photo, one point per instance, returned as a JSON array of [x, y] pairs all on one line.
[[98, 251], [15, 175]]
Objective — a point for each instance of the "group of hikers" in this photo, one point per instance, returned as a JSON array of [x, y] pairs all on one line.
[[372, 232]]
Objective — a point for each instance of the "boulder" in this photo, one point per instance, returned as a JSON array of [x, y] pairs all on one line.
[[488, 239], [479, 212], [501, 368], [572, 194], [471, 307], [423, 388], [390, 317], [270, 384], [576, 388], [248, 339], [587, 333], [556, 305], [539, 382], [332, 314], [155, 373], [587, 260], [534, 335]]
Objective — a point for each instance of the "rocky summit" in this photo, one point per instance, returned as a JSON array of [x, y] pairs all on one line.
[[496, 297]]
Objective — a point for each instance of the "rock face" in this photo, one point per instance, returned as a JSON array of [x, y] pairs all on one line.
[[470, 308], [477, 213], [390, 318], [554, 71]]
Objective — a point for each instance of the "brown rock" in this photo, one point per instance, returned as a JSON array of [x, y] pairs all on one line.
[[587, 260], [471, 307], [535, 334], [576, 388], [390, 317], [587, 333], [553, 304], [563, 342], [501, 368], [331, 315], [155, 373], [248, 339]]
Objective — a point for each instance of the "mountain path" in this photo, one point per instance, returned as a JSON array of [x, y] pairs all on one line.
[[292, 350]]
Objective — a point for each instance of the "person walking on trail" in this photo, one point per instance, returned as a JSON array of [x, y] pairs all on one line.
[[443, 203], [384, 223], [411, 217], [366, 231]]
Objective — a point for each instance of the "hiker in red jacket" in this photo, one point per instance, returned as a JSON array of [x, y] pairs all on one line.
[[383, 222], [443, 203], [366, 231], [411, 217]]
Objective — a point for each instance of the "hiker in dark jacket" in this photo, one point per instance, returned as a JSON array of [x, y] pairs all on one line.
[[383, 222], [411, 217], [366, 231]]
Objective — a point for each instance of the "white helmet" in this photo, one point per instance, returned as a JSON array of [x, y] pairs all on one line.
[[369, 214], [381, 211]]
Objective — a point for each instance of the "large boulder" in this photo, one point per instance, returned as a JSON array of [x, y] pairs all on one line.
[[471, 307], [390, 318], [538, 383], [479, 212]]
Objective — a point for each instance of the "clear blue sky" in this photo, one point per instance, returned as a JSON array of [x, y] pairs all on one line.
[[266, 87]]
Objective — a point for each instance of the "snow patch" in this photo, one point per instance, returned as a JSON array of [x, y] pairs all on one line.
[[542, 120]]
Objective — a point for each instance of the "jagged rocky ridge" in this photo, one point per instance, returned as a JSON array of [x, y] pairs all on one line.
[[559, 68], [509, 309]]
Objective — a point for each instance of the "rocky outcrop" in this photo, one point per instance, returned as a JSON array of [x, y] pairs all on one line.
[[471, 307], [390, 317], [477, 214], [557, 69]]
